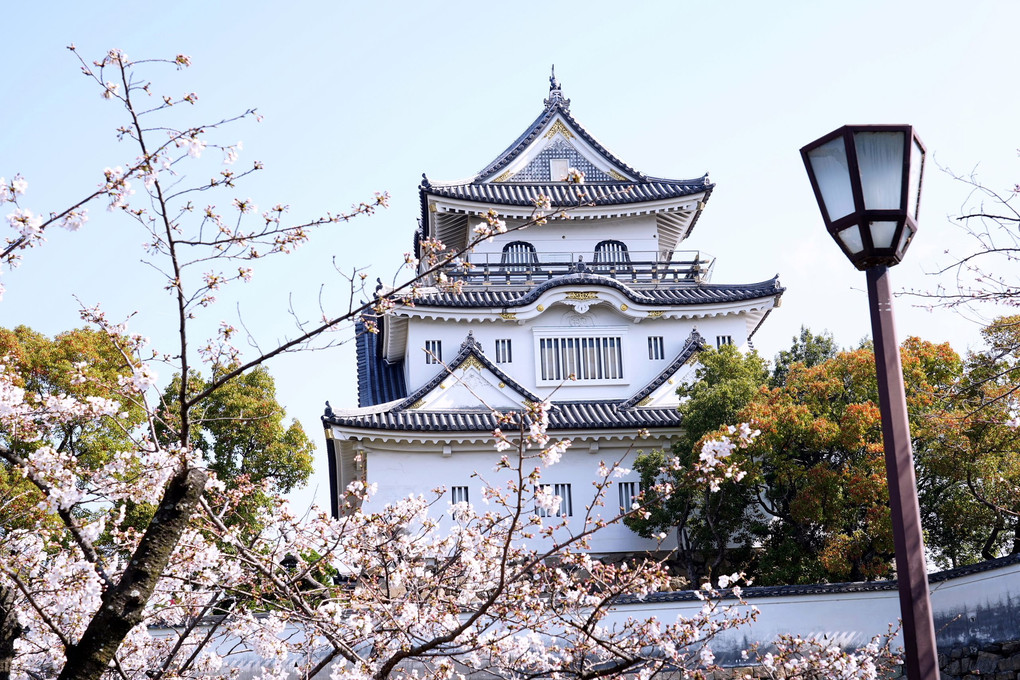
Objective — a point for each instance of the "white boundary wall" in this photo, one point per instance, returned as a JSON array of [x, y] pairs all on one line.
[[971, 605]]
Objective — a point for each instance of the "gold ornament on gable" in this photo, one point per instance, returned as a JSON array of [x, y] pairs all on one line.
[[559, 127]]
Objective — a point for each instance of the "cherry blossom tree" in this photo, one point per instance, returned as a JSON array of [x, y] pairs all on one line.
[[86, 594]]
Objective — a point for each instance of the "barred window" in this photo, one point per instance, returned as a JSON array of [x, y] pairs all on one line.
[[721, 340], [433, 351], [566, 508], [518, 256], [589, 359], [459, 494], [629, 492], [656, 348], [504, 354]]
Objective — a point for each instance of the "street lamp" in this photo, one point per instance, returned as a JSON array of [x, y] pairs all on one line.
[[867, 181]]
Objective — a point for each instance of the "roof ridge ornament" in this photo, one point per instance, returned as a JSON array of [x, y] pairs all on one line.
[[556, 93], [470, 342]]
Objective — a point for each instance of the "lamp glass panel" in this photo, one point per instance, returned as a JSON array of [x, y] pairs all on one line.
[[880, 161], [882, 234], [916, 170], [851, 238], [908, 234], [832, 172]]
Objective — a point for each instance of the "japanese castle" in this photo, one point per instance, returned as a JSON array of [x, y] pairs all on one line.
[[599, 311]]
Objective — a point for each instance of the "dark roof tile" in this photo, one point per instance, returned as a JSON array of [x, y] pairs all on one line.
[[695, 343], [564, 415], [694, 294], [564, 195], [469, 347], [378, 381]]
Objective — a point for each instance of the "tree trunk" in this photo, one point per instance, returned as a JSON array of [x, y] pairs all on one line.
[[988, 549], [10, 630], [124, 604]]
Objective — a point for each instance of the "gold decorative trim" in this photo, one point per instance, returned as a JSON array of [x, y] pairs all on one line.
[[655, 313], [582, 295], [508, 316], [442, 386], [502, 385], [559, 127], [541, 308], [617, 176], [472, 362], [417, 404], [671, 381], [504, 177], [646, 401], [433, 207], [624, 308]]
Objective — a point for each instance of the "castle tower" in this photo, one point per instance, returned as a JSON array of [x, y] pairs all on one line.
[[603, 310]]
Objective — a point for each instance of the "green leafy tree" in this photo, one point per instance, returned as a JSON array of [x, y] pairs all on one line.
[[818, 465], [710, 527], [242, 433], [808, 349], [814, 506], [982, 480]]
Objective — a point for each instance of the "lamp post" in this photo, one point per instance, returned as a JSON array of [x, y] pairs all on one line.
[[867, 181]]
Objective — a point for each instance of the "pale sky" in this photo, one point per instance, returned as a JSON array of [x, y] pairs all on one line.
[[359, 98]]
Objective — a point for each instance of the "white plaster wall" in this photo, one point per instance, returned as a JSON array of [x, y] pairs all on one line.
[[577, 236], [638, 369], [403, 473], [966, 609]]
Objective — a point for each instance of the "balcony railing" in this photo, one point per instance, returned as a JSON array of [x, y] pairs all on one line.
[[636, 268]]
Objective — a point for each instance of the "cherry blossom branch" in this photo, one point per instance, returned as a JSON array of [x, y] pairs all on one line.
[[65, 514]]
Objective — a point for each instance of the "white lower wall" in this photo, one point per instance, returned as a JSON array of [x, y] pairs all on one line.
[[969, 608], [413, 471]]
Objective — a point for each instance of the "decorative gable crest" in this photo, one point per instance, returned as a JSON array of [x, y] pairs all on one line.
[[469, 382]]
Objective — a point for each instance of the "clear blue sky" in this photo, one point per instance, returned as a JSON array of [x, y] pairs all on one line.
[[361, 97]]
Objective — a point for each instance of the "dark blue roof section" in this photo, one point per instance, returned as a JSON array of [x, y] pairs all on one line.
[[469, 347], [694, 294], [564, 195], [695, 343], [378, 381], [564, 415]]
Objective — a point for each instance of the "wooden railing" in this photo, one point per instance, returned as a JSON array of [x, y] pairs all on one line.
[[638, 268]]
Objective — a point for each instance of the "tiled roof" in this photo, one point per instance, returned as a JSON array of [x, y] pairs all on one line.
[[564, 415], [695, 343], [378, 381], [563, 195], [554, 105], [600, 190], [469, 347], [694, 294]]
